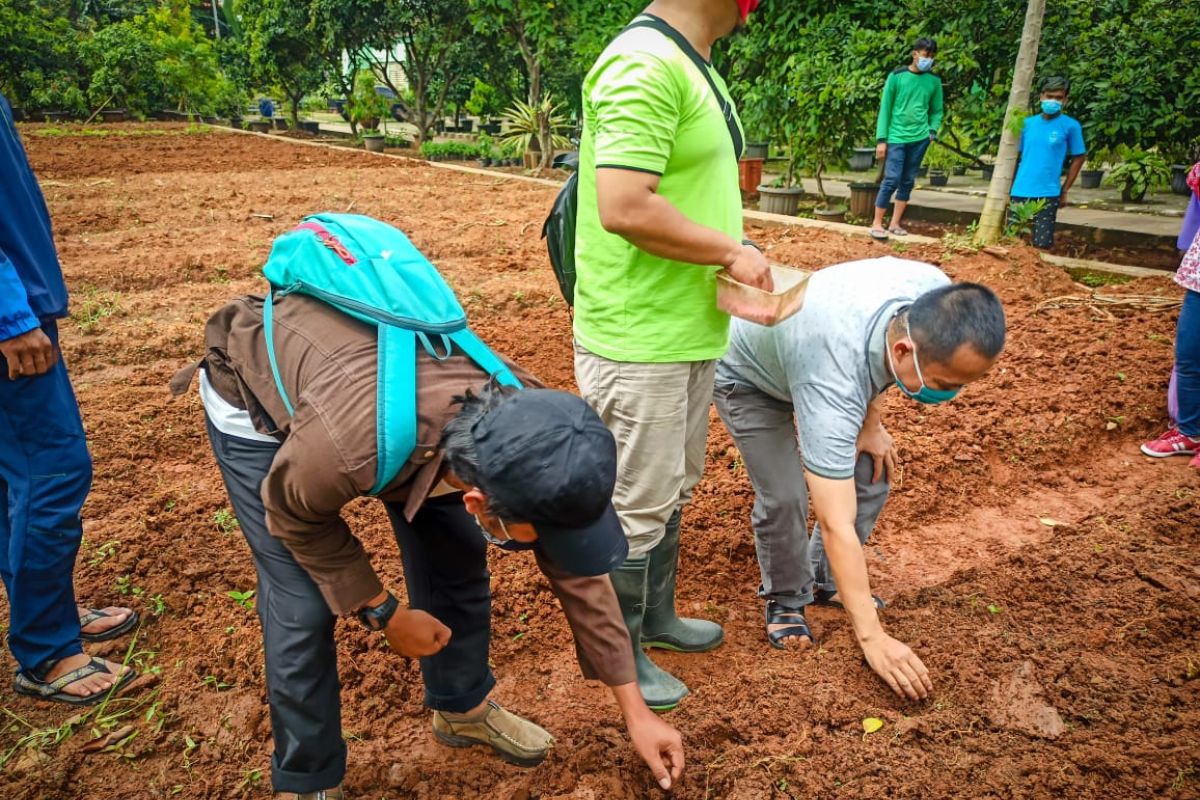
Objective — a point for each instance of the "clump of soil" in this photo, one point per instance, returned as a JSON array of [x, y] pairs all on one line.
[[1041, 567]]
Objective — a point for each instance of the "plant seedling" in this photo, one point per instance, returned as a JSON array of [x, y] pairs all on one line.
[[225, 521], [993, 608], [244, 599]]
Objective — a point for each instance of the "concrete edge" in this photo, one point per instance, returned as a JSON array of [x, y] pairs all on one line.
[[1102, 267], [843, 228], [452, 167]]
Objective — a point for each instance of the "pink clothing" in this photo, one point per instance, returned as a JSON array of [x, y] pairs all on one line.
[[1188, 274]]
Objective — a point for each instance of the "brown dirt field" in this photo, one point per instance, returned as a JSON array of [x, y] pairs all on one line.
[[1064, 656]]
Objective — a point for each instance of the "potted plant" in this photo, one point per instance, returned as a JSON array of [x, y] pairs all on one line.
[[1179, 173], [862, 159], [757, 150], [530, 127], [366, 107], [1137, 173], [1091, 178], [260, 125]]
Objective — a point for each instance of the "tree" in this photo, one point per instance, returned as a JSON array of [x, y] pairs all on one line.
[[123, 64], [991, 221], [345, 29], [38, 55], [438, 47], [186, 61], [284, 48]]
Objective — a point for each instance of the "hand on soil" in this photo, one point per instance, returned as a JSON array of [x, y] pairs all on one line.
[[660, 746], [32, 353], [899, 667], [415, 633], [878, 443], [751, 268]]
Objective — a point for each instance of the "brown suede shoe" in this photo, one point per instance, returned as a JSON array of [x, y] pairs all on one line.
[[335, 793], [517, 740]]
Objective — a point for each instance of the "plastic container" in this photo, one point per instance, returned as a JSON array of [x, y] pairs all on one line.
[[764, 308]]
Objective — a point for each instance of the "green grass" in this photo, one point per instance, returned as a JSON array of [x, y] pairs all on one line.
[[1095, 280]]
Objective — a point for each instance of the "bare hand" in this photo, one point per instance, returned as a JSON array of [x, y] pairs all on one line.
[[1062, 199], [415, 633], [660, 746], [879, 444], [751, 268], [32, 353], [881, 151], [899, 667]]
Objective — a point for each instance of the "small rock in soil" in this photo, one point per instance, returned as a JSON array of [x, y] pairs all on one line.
[[1019, 704]]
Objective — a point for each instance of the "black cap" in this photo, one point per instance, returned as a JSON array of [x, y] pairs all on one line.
[[547, 457]]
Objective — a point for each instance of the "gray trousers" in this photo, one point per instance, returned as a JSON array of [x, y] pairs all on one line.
[[792, 564]]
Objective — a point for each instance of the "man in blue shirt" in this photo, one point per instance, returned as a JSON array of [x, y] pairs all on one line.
[[45, 469], [1046, 140]]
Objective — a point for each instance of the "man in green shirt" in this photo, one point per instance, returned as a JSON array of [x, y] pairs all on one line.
[[910, 114], [659, 215]]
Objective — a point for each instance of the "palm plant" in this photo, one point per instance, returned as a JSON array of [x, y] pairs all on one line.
[[539, 123]]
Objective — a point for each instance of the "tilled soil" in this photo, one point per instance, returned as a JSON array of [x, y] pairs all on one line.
[[1044, 570]]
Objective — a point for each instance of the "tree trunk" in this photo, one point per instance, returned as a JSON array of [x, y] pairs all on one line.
[[991, 221]]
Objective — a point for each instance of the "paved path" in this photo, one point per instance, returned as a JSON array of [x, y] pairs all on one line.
[[1152, 224]]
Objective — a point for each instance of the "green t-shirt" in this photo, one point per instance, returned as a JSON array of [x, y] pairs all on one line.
[[911, 107], [647, 107]]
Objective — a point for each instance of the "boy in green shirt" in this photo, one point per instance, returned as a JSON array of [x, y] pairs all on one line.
[[910, 114], [659, 215]]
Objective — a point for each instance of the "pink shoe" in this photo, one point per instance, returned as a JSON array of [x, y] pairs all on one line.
[[1172, 443]]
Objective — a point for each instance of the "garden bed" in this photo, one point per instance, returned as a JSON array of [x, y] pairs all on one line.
[[1043, 569]]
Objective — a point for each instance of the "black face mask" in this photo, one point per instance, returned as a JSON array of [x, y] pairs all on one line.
[[509, 544]]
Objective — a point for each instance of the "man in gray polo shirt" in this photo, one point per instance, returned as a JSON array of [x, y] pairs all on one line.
[[820, 375]]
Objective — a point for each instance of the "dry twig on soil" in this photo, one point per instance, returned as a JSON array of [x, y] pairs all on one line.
[[1107, 306]]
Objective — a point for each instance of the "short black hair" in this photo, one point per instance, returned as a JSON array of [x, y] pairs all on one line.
[[945, 319], [926, 44], [458, 441], [1056, 83]]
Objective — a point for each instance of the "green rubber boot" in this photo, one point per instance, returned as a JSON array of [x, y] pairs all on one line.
[[661, 690], [661, 626]]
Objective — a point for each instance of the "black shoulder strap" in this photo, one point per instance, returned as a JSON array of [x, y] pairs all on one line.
[[660, 25]]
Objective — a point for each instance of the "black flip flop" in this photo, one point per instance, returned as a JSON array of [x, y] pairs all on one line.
[[53, 690], [824, 597], [777, 615], [94, 614]]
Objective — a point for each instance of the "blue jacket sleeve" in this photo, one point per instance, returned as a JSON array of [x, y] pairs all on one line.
[[16, 317]]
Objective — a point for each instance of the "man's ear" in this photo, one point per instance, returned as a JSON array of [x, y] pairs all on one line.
[[475, 501]]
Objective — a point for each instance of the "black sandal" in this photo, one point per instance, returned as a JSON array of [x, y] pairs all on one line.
[[777, 615], [53, 690], [824, 597], [94, 614]]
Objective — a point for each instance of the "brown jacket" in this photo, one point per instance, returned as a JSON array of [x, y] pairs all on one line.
[[327, 455]]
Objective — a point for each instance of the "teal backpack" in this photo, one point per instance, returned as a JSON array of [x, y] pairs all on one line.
[[371, 271]]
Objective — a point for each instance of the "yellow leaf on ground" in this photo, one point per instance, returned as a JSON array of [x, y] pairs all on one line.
[[871, 724]]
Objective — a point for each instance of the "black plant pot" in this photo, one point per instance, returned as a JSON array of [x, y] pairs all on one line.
[[938, 178], [1179, 173], [757, 149], [862, 159], [959, 170], [987, 173], [1128, 196], [18, 114], [922, 172], [1091, 178]]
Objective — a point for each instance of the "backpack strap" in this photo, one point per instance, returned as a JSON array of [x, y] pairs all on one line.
[[479, 352], [663, 27], [269, 335], [395, 421]]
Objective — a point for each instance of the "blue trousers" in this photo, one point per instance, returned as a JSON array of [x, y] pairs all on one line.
[[445, 573], [900, 171], [45, 474], [1187, 364]]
